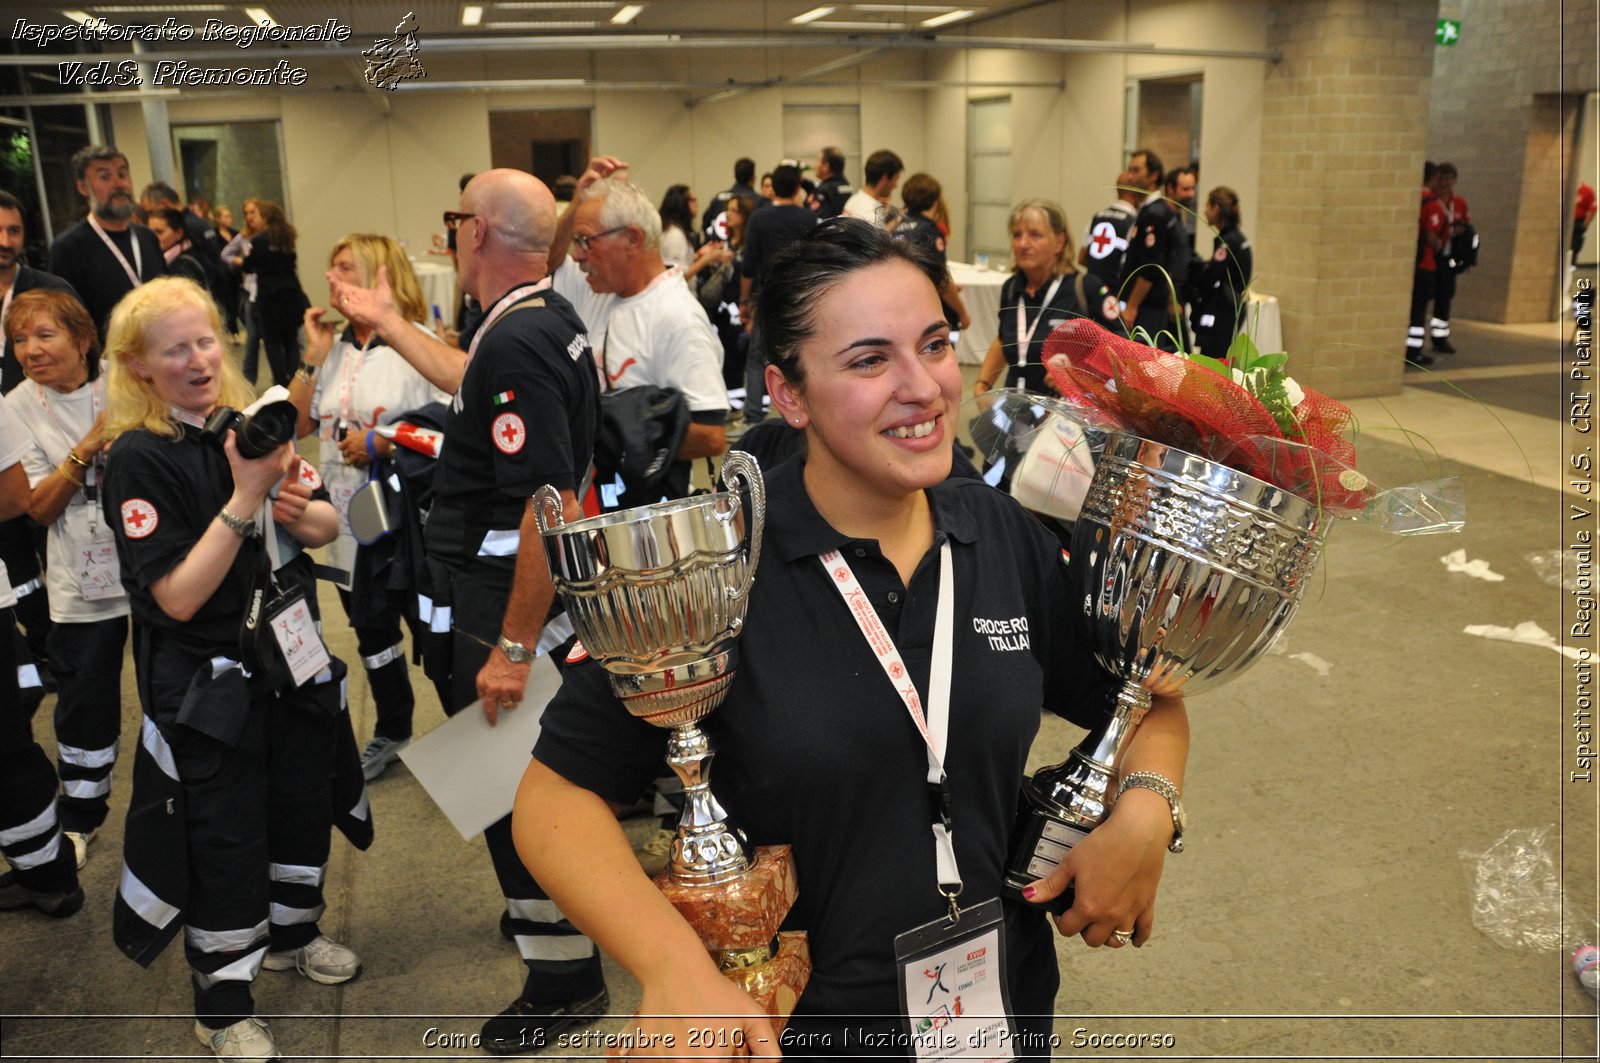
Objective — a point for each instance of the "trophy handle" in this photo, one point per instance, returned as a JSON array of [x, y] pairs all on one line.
[[740, 469], [547, 508]]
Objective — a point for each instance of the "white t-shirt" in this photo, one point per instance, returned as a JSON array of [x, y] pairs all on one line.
[[81, 550], [864, 205], [675, 248], [661, 336], [364, 390]]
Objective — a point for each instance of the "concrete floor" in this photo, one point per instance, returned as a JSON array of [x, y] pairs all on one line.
[[1321, 910]]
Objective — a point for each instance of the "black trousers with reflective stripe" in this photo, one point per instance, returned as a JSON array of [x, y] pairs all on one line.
[[265, 799], [478, 601], [86, 660], [391, 684], [28, 787]]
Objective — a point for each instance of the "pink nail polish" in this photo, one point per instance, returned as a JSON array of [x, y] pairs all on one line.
[[1028, 892]]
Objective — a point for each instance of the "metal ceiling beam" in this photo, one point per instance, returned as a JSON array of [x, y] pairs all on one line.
[[782, 79]]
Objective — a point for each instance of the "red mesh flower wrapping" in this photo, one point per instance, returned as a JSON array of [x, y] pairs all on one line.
[[1171, 400]]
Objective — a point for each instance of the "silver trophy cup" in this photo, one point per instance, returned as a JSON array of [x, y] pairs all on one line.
[[657, 595], [1187, 571]]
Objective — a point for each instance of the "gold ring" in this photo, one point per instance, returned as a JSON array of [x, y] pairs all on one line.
[[1123, 936]]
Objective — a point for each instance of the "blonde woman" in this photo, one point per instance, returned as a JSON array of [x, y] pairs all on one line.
[[349, 383], [1045, 289], [238, 754]]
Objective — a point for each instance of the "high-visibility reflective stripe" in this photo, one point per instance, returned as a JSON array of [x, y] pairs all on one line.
[[283, 915], [440, 620], [145, 904], [222, 664], [501, 542], [535, 911], [244, 969], [554, 946], [28, 677], [396, 652], [557, 631], [362, 806], [225, 940], [89, 758], [22, 590], [39, 857], [424, 608], [84, 789], [44, 821], [155, 743], [299, 874]]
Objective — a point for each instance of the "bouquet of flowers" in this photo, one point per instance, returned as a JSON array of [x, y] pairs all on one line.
[[1246, 413]]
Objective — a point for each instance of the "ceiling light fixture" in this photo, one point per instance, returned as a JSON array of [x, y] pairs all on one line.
[[846, 25], [812, 15], [471, 14], [259, 15], [543, 25], [80, 17], [628, 13], [896, 9], [946, 19]]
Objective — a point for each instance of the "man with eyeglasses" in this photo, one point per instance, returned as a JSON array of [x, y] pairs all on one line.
[[647, 327], [524, 415]]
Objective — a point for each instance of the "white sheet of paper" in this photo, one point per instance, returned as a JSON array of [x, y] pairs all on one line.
[[472, 770]]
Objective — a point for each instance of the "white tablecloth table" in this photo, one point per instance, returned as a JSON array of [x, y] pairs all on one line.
[[980, 290], [438, 281]]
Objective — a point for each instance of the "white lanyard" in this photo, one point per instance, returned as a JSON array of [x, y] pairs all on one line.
[[1025, 337], [935, 726], [91, 474], [347, 379], [134, 270], [506, 303], [5, 304]]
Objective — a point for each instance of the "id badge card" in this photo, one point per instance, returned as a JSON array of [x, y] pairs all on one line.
[[339, 494], [295, 632], [953, 989], [99, 572]]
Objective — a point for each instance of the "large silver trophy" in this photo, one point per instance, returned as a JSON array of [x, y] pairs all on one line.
[[658, 595], [1186, 571]]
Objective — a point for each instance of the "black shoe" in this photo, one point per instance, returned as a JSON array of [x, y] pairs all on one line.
[[1442, 345], [526, 1027], [1418, 358], [14, 894]]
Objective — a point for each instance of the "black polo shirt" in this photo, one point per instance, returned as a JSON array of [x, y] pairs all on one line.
[[816, 749], [769, 231], [160, 496], [828, 198], [1107, 239], [1159, 240], [1063, 307], [923, 231], [79, 258], [524, 416]]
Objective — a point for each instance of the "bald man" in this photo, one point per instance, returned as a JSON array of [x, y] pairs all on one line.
[[524, 415]]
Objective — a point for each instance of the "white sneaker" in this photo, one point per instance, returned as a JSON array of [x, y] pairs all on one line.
[[322, 960], [245, 1039], [379, 754], [80, 845]]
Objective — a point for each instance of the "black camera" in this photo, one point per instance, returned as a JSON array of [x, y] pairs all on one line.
[[255, 434]]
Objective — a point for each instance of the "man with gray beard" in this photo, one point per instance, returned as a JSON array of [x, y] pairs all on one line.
[[105, 256]]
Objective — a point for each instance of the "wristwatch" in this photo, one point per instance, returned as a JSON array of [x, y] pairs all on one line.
[[1149, 780], [515, 652], [243, 527]]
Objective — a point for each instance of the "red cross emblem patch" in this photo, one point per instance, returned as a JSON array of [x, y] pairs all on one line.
[[1102, 239], [139, 518], [577, 653], [1110, 308], [1221, 255], [508, 433], [309, 475]]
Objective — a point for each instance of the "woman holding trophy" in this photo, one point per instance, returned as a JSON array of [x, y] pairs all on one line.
[[887, 744]]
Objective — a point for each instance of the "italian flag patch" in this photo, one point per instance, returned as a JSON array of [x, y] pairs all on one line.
[[504, 397]]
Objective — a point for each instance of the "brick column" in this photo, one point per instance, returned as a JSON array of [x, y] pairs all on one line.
[[1344, 132]]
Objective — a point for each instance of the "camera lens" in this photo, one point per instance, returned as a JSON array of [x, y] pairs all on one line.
[[266, 430]]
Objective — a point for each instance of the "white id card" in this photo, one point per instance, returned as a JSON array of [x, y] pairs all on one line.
[[339, 495], [99, 573], [953, 987], [295, 631]]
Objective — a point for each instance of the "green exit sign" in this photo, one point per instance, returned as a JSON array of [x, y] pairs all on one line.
[[1447, 32]]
